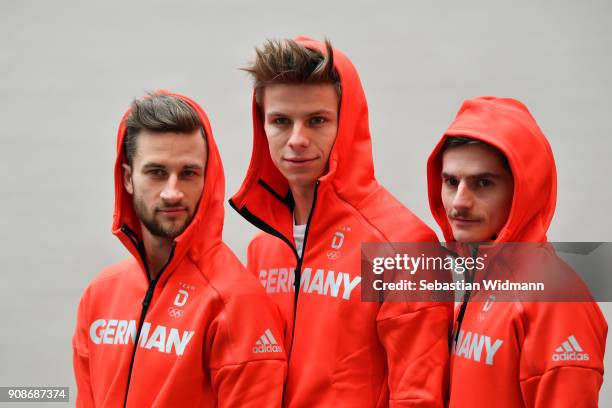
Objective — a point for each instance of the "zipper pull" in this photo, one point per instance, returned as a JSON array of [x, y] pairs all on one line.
[[148, 296]]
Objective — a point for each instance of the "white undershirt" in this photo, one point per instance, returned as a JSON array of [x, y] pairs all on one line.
[[298, 236]]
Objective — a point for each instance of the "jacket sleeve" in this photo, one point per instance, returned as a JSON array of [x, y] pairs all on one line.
[[562, 357], [80, 359], [415, 338], [246, 353], [283, 304], [252, 258], [250, 384]]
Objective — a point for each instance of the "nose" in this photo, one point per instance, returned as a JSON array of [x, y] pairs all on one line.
[[298, 138], [171, 192], [464, 198]]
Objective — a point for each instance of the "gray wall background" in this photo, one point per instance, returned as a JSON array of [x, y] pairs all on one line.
[[68, 70]]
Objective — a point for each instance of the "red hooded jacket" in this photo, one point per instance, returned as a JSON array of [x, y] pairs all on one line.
[[344, 352], [515, 353], [209, 336]]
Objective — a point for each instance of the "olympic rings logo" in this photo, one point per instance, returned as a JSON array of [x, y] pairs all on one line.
[[331, 254], [174, 312]]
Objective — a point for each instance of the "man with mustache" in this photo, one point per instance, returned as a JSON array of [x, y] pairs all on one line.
[[492, 181], [180, 323], [310, 188]]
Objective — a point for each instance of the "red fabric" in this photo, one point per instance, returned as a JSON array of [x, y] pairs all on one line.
[[345, 352], [507, 353], [205, 317]]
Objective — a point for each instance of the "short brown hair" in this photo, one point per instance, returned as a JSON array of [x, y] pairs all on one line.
[[157, 113], [288, 62], [457, 141]]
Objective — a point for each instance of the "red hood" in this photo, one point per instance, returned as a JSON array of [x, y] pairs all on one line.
[[351, 169], [506, 124], [205, 230]]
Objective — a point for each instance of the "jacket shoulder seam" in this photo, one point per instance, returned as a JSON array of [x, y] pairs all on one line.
[[366, 221]]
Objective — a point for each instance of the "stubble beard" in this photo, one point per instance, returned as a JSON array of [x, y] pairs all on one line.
[[156, 228]]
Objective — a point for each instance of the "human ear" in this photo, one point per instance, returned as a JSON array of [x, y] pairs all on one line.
[[127, 178]]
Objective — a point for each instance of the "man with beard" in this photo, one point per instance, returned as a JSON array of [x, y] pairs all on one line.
[[180, 323]]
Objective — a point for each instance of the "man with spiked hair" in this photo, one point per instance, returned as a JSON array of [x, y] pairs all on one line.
[[310, 188]]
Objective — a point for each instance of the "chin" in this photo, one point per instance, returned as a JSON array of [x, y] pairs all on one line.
[[301, 180], [465, 238]]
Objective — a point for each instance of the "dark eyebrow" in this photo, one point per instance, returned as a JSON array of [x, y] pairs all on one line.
[[161, 166], [317, 112], [193, 167], [486, 174], [153, 166]]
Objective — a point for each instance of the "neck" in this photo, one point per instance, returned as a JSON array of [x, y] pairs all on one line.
[[303, 196], [157, 252]]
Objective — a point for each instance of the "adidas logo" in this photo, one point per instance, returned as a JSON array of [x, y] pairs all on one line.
[[267, 344], [570, 350]]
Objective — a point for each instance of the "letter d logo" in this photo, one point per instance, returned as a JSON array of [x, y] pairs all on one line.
[[489, 303], [337, 240], [181, 298]]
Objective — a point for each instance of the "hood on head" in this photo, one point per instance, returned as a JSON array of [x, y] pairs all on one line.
[[506, 124], [205, 229], [264, 196]]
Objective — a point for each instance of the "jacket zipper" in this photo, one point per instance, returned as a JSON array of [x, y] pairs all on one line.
[[466, 299], [298, 277], [252, 218], [298, 269], [146, 302]]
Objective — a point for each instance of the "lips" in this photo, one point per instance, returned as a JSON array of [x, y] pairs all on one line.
[[172, 211], [464, 221], [298, 162]]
